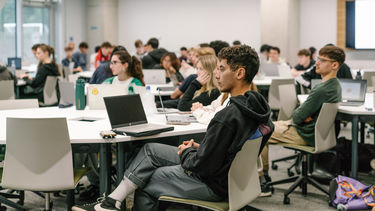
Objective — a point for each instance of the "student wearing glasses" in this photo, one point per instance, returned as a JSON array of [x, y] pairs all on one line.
[[127, 70]]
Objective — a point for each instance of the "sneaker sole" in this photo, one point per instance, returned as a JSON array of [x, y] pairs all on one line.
[[77, 209], [265, 194]]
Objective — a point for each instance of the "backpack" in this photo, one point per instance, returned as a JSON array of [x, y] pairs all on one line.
[[349, 194]]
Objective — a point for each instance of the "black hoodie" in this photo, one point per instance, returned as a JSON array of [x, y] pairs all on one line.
[[5, 74], [225, 136], [152, 59]]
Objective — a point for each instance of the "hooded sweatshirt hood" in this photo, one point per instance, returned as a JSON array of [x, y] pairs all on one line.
[[157, 54], [253, 105]]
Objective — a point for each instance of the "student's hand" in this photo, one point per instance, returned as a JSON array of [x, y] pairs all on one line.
[[309, 119], [171, 70], [185, 145], [196, 106], [78, 69], [203, 78], [195, 145], [25, 75]]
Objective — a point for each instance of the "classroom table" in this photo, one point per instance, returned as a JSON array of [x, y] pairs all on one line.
[[83, 132], [354, 114]]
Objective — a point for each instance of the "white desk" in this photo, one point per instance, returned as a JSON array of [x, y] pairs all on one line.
[[155, 92], [82, 132], [86, 74], [355, 114], [266, 81]]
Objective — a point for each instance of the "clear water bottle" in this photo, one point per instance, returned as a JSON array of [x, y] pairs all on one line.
[[149, 101], [13, 67], [80, 94]]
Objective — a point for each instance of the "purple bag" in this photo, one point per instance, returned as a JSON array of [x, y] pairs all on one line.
[[353, 195]]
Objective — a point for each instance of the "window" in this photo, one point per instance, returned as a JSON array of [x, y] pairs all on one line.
[[36, 29], [8, 31]]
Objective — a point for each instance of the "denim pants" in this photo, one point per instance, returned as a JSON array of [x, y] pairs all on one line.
[[156, 170]]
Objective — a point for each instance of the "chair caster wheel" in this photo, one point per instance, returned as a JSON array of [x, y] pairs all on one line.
[[274, 166], [272, 190], [3, 208], [286, 200], [290, 173]]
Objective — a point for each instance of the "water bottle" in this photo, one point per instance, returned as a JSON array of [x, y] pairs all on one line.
[[80, 94], [149, 101], [13, 67], [358, 76]]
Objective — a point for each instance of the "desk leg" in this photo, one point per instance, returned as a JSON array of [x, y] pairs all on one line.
[[121, 167], [105, 168], [362, 132], [354, 146]]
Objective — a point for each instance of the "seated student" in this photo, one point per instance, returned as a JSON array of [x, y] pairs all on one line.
[[204, 88], [236, 43], [81, 56], [47, 67], [127, 70], [305, 78], [217, 45], [178, 92], [154, 54], [274, 56], [104, 54], [6, 75], [92, 58], [312, 53], [188, 67], [204, 114], [69, 61], [300, 129], [104, 71], [170, 63], [140, 51], [304, 62], [192, 170], [184, 54]]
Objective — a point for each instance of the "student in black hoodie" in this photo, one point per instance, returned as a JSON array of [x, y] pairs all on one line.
[[153, 58], [47, 67], [200, 171]]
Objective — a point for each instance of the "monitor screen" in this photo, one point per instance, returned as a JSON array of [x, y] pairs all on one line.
[[17, 61], [125, 110]]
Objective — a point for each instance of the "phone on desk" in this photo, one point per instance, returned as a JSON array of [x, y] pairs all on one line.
[[107, 134]]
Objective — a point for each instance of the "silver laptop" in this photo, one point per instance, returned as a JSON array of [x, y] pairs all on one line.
[[269, 69], [127, 116], [154, 76], [67, 93], [96, 92], [353, 92]]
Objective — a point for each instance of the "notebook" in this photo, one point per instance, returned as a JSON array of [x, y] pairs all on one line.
[[269, 69], [127, 116], [67, 93], [154, 76], [353, 92], [96, 92]]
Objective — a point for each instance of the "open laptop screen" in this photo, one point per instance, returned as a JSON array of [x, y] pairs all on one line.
[[353, 90], [125, 110]]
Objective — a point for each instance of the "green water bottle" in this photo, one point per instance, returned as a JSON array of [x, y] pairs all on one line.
[[80, 94]]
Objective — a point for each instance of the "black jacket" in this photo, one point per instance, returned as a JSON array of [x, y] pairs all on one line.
[[101, 73], [152, 59], [225, 136], [187, 100]]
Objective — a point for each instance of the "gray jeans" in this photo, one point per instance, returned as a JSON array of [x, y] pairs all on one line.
[[156, 170]]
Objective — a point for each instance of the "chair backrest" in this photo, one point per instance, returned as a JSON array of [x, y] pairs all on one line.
[[288, 101], [18, 104], [7, 90], [49, 91], [325, 136], [243, 179], [273, 94], [66, 72], [367, 75], [40, 157], [284, 71]]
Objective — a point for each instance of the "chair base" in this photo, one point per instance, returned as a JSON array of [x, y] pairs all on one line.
[[295, 164], [299, 181]]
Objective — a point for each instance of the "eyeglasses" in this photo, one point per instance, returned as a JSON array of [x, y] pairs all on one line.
[[325, 60], [115, 62]]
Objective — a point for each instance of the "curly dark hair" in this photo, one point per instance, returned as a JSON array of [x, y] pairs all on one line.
[[334, 53], [241, 56], [217, 45]]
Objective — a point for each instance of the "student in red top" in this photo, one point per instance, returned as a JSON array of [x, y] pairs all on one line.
[[104, 54]]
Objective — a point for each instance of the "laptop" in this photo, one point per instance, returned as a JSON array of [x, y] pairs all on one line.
[[127, 116], [67, 93], [353, 92], [154, 76], [17, 62], [176, 119], [269, 69], [96, 92]]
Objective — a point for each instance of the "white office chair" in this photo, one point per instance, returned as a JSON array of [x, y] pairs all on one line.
[[18, 104], [243, 181], [39, 156], [288, 101], [325, 139], [49, 91], [274, 96], [7, 90], [367, 75]]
